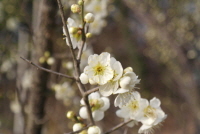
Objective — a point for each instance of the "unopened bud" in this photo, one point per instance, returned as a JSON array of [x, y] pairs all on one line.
[[50, 61], [70, 114], [46, 53], [42, 59], [83, 132], [88, 35], [128, 69], [80, 2], [75, 8], [89, 18], [94, 130], [77, 126]]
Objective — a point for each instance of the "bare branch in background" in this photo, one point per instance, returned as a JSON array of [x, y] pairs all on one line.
[[47, 70]]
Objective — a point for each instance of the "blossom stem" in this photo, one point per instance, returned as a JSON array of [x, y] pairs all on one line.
[[47, 70], [77, 61], [68, 37], [118, 126], [91, 90], [83, 35]]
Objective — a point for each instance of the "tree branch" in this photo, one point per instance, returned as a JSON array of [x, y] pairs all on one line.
[[83, 34], [91, 90], [118, 126], [76, 63], [68, 37], [47, 70]]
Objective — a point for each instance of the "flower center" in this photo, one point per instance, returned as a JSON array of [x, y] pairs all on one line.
[[96, 104], [133, 105], [150, 112], [99, 70]]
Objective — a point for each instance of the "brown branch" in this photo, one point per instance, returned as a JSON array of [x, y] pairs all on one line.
[[68, 37], [91, 90], [118, 126], [76, 63], [83, 34], [47, 70]]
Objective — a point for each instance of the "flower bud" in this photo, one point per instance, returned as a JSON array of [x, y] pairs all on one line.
[[128, 69], [70, 114], [88, 35], [83, 132], [77, 126], [46, 53], [75, 8], [84, 78], [80, 2], [50, 61], [94, 130], [89, 18], [42, 59]]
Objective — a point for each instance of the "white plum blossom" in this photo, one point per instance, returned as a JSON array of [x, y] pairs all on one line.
[[75, 33], [63, 92], [98, 105], [98, 69], [134, 106], [111, 86], [94, 130], [97, 26], [122, 114], [127, 84], [99, 9], [151, 116]]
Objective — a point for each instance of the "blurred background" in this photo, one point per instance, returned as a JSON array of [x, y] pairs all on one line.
[[159, 39]]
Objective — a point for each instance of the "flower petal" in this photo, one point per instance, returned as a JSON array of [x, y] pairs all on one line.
[[98, 115], [108, 88], [106, 104], [155, 102], [83, 113]]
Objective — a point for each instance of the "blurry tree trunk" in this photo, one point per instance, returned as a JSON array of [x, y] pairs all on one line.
[[44, 12], [22, 88]]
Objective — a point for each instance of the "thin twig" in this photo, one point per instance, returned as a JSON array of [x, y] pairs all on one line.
[[68, 37], [76, 64], [47, 70], [83, 34], [91, 90], [79, 130], [118, 126]]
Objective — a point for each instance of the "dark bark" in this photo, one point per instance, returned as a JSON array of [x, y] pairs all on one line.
[[43, 30]]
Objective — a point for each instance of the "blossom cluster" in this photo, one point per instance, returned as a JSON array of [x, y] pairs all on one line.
[[108, 73], [75, 26], [99, 8], [98, 105]]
